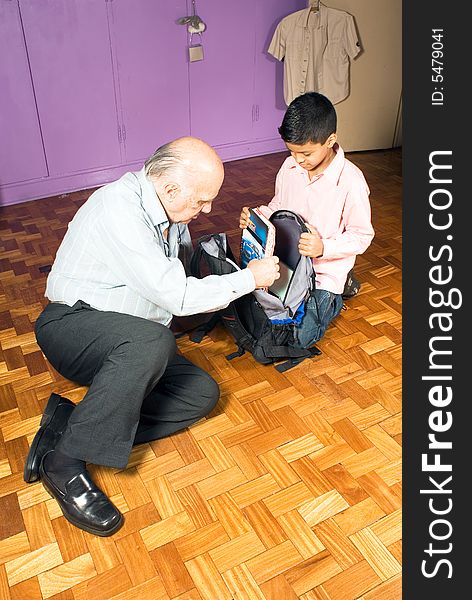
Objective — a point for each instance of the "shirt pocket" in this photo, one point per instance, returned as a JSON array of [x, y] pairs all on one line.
[[294, 49], [332, 224], [334, 51]]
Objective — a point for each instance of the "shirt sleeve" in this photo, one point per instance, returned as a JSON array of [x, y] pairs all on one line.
[[277, 45], [129, 246], [357, 232], [353, 46]]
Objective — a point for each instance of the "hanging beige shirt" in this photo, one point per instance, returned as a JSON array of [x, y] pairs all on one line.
[[316, 48]]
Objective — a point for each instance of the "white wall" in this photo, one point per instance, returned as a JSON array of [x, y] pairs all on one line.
[[368, 117]]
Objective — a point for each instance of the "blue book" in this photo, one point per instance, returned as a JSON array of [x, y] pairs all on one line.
[[258, 239]]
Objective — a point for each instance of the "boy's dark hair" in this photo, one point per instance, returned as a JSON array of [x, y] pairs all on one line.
[[309, 118]]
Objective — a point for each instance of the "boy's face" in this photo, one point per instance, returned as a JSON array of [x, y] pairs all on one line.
[[314, 157]]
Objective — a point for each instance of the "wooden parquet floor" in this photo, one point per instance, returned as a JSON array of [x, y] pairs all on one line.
[[290, 489]]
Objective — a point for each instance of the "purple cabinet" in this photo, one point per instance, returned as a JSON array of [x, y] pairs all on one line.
[[69, 51], [21, 148], [269, 104], [222, 85], [90, 88], [236, 92], [150, 61]]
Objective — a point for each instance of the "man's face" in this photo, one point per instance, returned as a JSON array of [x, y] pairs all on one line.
[[187, 199], [189, 206], [314, 157]]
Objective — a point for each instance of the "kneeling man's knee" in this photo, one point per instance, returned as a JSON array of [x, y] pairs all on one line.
[[209, 393]]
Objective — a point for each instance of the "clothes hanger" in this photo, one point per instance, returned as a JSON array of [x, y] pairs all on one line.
[[314, 5]]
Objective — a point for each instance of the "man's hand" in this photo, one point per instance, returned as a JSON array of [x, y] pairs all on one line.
[[310, 244], [265, 271], [244, 217]]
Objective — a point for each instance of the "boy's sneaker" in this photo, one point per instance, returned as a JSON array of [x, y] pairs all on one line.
[[352, 286]]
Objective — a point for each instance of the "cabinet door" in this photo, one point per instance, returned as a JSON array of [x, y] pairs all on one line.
[[269, 104], [222, 84], [150, 62], [21, 148], [69, 50]]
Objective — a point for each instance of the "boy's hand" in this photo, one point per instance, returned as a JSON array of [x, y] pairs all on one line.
[[310, 244], [244, 217]]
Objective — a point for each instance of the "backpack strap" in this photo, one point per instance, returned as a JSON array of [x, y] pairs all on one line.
[[195, 259], [239, 352], [288, 364], [292, 362], [200, 254], [282, 351], [244, 340], [200, 332]]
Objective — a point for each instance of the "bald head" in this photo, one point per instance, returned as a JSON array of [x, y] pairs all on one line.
[[185, 169], [184, 156], [198, 155]]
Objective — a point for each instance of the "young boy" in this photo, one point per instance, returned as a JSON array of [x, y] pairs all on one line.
[[331, 195]]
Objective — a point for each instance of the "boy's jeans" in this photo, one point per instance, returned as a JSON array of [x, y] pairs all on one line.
[[321, 308]]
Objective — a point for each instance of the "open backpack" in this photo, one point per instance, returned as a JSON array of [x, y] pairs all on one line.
[[261, 322]]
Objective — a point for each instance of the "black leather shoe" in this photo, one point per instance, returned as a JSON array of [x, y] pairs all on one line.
[[84, 504], [52, 426]]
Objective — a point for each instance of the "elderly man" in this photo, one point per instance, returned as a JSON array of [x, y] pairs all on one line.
[[115, 284]]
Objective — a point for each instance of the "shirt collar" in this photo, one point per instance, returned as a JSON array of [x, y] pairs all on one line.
[[322, 17], [151, 202], [333, 170]]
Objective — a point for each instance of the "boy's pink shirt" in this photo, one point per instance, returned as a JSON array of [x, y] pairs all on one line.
[[336, 203]]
